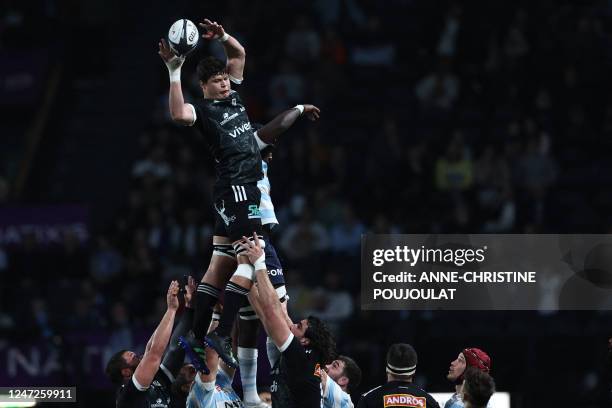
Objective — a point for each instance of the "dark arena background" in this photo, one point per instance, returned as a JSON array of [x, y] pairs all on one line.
[[436, 117]]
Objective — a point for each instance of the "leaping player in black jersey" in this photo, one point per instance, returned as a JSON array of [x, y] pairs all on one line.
[[304, 347], [222, 118]]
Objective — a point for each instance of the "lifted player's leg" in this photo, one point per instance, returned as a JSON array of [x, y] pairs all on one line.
[[238, 208], [221, 266], [235, 297]]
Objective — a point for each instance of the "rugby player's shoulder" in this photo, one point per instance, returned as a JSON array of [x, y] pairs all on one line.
[[373, 389]]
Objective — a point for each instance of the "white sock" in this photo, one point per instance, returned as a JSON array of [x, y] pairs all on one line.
[[248, 373]]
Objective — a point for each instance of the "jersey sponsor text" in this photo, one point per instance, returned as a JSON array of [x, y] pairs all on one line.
[[404, 400]]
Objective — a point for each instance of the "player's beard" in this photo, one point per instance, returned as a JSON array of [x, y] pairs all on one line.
[[135, 362]]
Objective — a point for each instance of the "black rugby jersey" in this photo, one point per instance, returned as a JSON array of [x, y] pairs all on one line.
[[397, 394], [296, 378], [156, 396], [228, 132]]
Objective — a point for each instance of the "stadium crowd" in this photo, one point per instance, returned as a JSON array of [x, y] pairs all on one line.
[[437, 117]]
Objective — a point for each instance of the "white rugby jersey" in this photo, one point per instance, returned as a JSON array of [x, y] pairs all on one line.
[[216, 394], [457, 402], [334, 397], [266, 207]]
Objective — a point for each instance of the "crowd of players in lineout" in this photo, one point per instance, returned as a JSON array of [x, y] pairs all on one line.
[[306, 369]]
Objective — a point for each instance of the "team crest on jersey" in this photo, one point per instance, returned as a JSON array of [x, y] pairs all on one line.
[[317, 370], [404, 400], [160, 404], [221, 211], [234, 101], [254, 211]]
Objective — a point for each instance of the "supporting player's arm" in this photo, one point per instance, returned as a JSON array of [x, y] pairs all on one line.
[[284, 120], [151, 360], [236, 55], [263, 296], [180, 112], [174, 356]]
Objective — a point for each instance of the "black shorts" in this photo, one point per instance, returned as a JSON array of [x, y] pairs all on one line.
[[273, 264], [237, 211]]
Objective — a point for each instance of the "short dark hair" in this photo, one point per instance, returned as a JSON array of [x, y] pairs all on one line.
[[477, 387], [114, 367], [402, 360], [180, 380], [352, 372], [209, 67], [321, 339]]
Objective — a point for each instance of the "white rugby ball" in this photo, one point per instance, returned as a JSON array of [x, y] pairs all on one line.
[[183, 36]]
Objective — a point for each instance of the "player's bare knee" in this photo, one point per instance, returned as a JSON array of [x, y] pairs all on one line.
[[244, 281]]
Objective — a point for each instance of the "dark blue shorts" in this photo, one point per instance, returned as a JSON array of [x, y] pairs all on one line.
[[275, 269]]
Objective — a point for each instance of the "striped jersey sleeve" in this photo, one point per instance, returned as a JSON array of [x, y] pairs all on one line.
[[201, 394], [266, 207]]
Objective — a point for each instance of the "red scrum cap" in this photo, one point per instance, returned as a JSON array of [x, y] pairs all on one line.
[[475, 357]]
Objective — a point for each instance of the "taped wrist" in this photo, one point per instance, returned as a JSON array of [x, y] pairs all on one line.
[[246, 271], [260, 263], [174, 68]]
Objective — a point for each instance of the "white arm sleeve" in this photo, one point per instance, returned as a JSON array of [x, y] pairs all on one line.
[[236, 80], [260, 143], [137, 384], [285, 346], [195, 117]]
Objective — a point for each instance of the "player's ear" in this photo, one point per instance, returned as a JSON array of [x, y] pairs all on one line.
[[126, 372], [305, 341], [342, 380]]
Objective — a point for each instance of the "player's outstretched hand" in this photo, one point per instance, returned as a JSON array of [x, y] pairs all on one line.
[[171, 296], [190, 289], [165, 52], [213, 30], [312, 112], [253, 249]]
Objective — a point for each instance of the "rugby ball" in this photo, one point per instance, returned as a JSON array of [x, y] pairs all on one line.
[[183, 37]]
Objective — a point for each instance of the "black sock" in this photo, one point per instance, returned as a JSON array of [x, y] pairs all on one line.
[[234, 298], [206, 298]]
